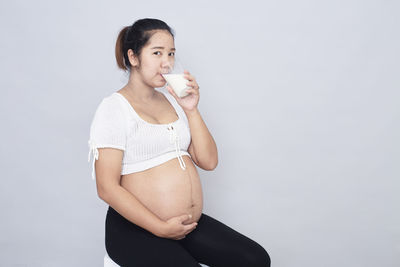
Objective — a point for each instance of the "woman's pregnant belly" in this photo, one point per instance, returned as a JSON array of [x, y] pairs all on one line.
[[167, 190]]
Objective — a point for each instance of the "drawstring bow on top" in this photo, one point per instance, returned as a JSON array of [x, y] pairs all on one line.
[[95, 151], [174, 138]]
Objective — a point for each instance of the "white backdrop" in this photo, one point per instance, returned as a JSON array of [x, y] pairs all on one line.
[[302, 98]]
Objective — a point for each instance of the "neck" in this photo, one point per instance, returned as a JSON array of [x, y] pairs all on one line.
[[138, 90]]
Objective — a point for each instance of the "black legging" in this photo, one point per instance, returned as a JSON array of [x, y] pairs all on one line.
[[211, 243]]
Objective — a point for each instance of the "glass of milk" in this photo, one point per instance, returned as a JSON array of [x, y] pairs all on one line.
[[175, 79]]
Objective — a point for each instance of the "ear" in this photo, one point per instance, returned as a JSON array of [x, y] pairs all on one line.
[[132, 58]]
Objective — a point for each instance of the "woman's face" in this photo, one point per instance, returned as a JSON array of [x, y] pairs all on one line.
[[156, 58]]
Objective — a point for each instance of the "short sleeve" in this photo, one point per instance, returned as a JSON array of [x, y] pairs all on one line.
[[108, 129]]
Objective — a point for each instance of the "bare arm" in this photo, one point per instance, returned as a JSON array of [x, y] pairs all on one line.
[[108, 175], [202, 148]]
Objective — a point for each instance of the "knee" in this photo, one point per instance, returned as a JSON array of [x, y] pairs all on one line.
[[257, 257]]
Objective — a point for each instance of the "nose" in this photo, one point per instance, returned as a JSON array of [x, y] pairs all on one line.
[[167, 64]]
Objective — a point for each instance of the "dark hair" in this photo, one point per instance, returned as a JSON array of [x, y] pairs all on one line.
[[135, 37]]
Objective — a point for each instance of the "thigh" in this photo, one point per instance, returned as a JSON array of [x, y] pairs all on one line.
[[216, 244], [130, 245]]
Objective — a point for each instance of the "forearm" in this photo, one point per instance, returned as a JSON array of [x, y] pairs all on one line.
[[132, 209], [203, 143]]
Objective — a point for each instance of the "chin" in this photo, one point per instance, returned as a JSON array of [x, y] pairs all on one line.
[[161, 84]]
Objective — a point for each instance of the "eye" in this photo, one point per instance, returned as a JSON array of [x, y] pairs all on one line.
[[173, 53], [156, 52]]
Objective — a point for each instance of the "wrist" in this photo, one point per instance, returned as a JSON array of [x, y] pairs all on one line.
[[160, 229], [193, 112]]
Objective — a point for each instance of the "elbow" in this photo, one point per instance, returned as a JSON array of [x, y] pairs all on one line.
[[107, 197], [101, 190], [105, 194], [102, 195], [210, 166]]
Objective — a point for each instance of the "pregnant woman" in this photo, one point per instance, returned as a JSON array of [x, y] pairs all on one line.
[[145, 143]]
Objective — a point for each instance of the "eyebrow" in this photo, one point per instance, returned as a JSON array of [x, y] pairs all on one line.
[[161, 47]]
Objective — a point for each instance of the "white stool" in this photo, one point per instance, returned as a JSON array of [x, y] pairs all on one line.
[[108, 262]]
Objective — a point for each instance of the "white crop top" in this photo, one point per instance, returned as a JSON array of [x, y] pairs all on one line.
[[117, 125]]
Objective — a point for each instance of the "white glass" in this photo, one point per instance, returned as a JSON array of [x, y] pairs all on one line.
[[176, 80]]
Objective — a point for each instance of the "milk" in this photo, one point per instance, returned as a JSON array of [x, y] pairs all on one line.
[[178, 83]]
